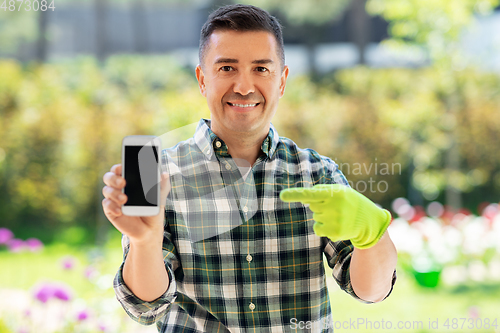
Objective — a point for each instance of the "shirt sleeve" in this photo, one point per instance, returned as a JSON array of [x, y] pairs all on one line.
[[338, 255], [330, 173], [146, 313]]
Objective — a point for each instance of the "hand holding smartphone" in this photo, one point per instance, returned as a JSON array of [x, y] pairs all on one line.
[[139, 178], [141, 170]]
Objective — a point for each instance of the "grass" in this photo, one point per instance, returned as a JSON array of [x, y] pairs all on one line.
[[24, 271], [417, 307]]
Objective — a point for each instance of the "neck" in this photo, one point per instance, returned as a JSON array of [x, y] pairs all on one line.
[[242, 146]]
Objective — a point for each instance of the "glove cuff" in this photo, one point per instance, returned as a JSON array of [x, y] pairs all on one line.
[[373, 222]]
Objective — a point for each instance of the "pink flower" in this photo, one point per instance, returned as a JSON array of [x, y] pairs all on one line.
[[44, 292], [82, 315], [34, 244], [68, 263], [490, 211], [473, 312], [16, 245], [47, 291], [90, 272], [5, 235], [62, 293]]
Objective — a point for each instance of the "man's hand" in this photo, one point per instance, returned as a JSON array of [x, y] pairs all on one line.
[[342, 213], [138, 229], [144, 270]]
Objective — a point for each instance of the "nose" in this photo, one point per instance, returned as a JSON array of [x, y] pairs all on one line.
[[243, 84]]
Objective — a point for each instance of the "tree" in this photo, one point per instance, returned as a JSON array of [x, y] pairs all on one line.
[[41, 45], [359, 26], [309, 16], [435, 26], [17, 28]]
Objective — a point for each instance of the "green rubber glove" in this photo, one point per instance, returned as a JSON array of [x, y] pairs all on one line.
[[342, 213]]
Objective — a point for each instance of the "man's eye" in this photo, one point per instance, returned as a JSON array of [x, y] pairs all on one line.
[[262, 69], [226, 68]]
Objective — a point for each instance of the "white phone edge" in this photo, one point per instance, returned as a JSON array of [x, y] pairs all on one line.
[[132, 140]]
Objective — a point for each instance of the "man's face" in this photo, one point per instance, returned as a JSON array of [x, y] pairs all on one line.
[[241, 78]]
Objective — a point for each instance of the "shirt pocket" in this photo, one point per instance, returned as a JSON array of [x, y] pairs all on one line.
[[291, 244]]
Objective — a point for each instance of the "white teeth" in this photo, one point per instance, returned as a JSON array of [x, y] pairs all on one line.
[[244, 105]]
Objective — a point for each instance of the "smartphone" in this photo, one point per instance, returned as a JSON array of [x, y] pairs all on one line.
[[141, 170]]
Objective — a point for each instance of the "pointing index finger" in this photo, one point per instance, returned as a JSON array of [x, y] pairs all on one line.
[[304, 194]]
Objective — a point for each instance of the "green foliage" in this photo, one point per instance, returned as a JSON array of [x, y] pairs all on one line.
[[435, 25], [300, 12], [365, 117], [61, 129], [16, 28], [4, 328]]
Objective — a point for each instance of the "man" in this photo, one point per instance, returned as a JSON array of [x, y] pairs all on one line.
[[228, 254]]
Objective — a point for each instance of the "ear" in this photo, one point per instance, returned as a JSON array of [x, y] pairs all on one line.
[[201, 80], [284, 76]]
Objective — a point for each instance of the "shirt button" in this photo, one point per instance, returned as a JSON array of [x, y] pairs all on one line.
[[245, 209], [207, 152], [252, 306], [249, 258], [218, 144], [228, 166]]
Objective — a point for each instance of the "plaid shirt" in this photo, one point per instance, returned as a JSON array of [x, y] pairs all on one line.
[[238, 258]]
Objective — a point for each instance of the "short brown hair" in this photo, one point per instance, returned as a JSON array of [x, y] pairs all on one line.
[[241, 18]]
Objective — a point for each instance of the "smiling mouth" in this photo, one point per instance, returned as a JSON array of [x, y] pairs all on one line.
[[243, 105]]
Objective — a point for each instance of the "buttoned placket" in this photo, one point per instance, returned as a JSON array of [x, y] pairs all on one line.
[[248, 206], [242, 190]]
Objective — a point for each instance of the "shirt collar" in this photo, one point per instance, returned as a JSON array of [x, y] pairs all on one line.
[[270, 143], [208, 142], [204, 137]]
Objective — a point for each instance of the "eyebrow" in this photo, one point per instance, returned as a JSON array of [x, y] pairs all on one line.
[[235, 61]]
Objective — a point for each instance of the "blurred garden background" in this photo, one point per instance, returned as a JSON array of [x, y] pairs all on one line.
[[403, 94]]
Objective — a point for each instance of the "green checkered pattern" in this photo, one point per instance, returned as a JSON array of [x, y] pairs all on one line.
[[238, 258]]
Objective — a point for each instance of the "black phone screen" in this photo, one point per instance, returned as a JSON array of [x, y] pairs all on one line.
[[141, 170]]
